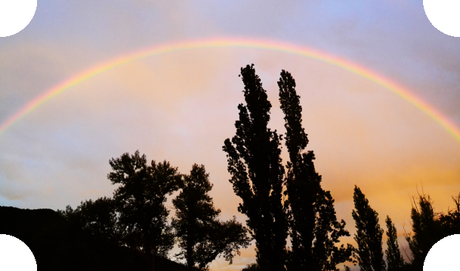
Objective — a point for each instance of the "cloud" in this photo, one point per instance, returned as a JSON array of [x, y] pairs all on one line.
[[181, 106]]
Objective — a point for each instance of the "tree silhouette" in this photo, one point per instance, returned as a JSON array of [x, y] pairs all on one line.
[[426, 228], [313, 223], [451, 221], [140, 199], [368, 234], [98, 217], [201, 235], [395, 261], [85, 241], [254, 163]]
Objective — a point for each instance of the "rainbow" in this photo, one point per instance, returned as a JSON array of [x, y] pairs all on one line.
[[232, 42]]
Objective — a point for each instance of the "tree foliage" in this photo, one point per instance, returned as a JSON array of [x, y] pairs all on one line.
[[140, 199], [395, 261], [426, 230], [97, 217], [254, 162], [202, 237], [450, 222], [368, 234], [314, 228]]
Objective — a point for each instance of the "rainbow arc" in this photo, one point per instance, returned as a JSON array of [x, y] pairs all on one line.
[[231, 42]]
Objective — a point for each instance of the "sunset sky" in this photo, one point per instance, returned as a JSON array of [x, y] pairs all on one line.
[[179, 102]]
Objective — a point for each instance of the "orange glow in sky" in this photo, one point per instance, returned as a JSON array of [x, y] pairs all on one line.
[[180, 105]]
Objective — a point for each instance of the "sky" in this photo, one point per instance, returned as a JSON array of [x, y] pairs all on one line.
[[180, 105]]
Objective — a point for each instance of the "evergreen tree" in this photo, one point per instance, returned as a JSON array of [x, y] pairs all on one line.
[[254, 163], [140, 199], [368, 234], [313, 223], [201, 235], [395, 261]]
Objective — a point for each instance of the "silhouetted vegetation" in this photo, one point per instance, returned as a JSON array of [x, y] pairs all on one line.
[[201, 235], [450, 222], [140, 201], [314, 228], [368, 234], [59, 244], [136, 218], [97, 217], [426, 230], [289, 215], [295, 204], [395, 260], [257, 173], [307, 213]]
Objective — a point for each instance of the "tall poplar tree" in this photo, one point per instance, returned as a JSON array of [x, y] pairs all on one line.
[[394, 259], [313, 223], [254, 163], [368, 234]]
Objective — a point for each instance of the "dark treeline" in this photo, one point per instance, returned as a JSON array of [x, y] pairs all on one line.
[[136, 216], [60, 245], [428, 228], [290, 217]]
